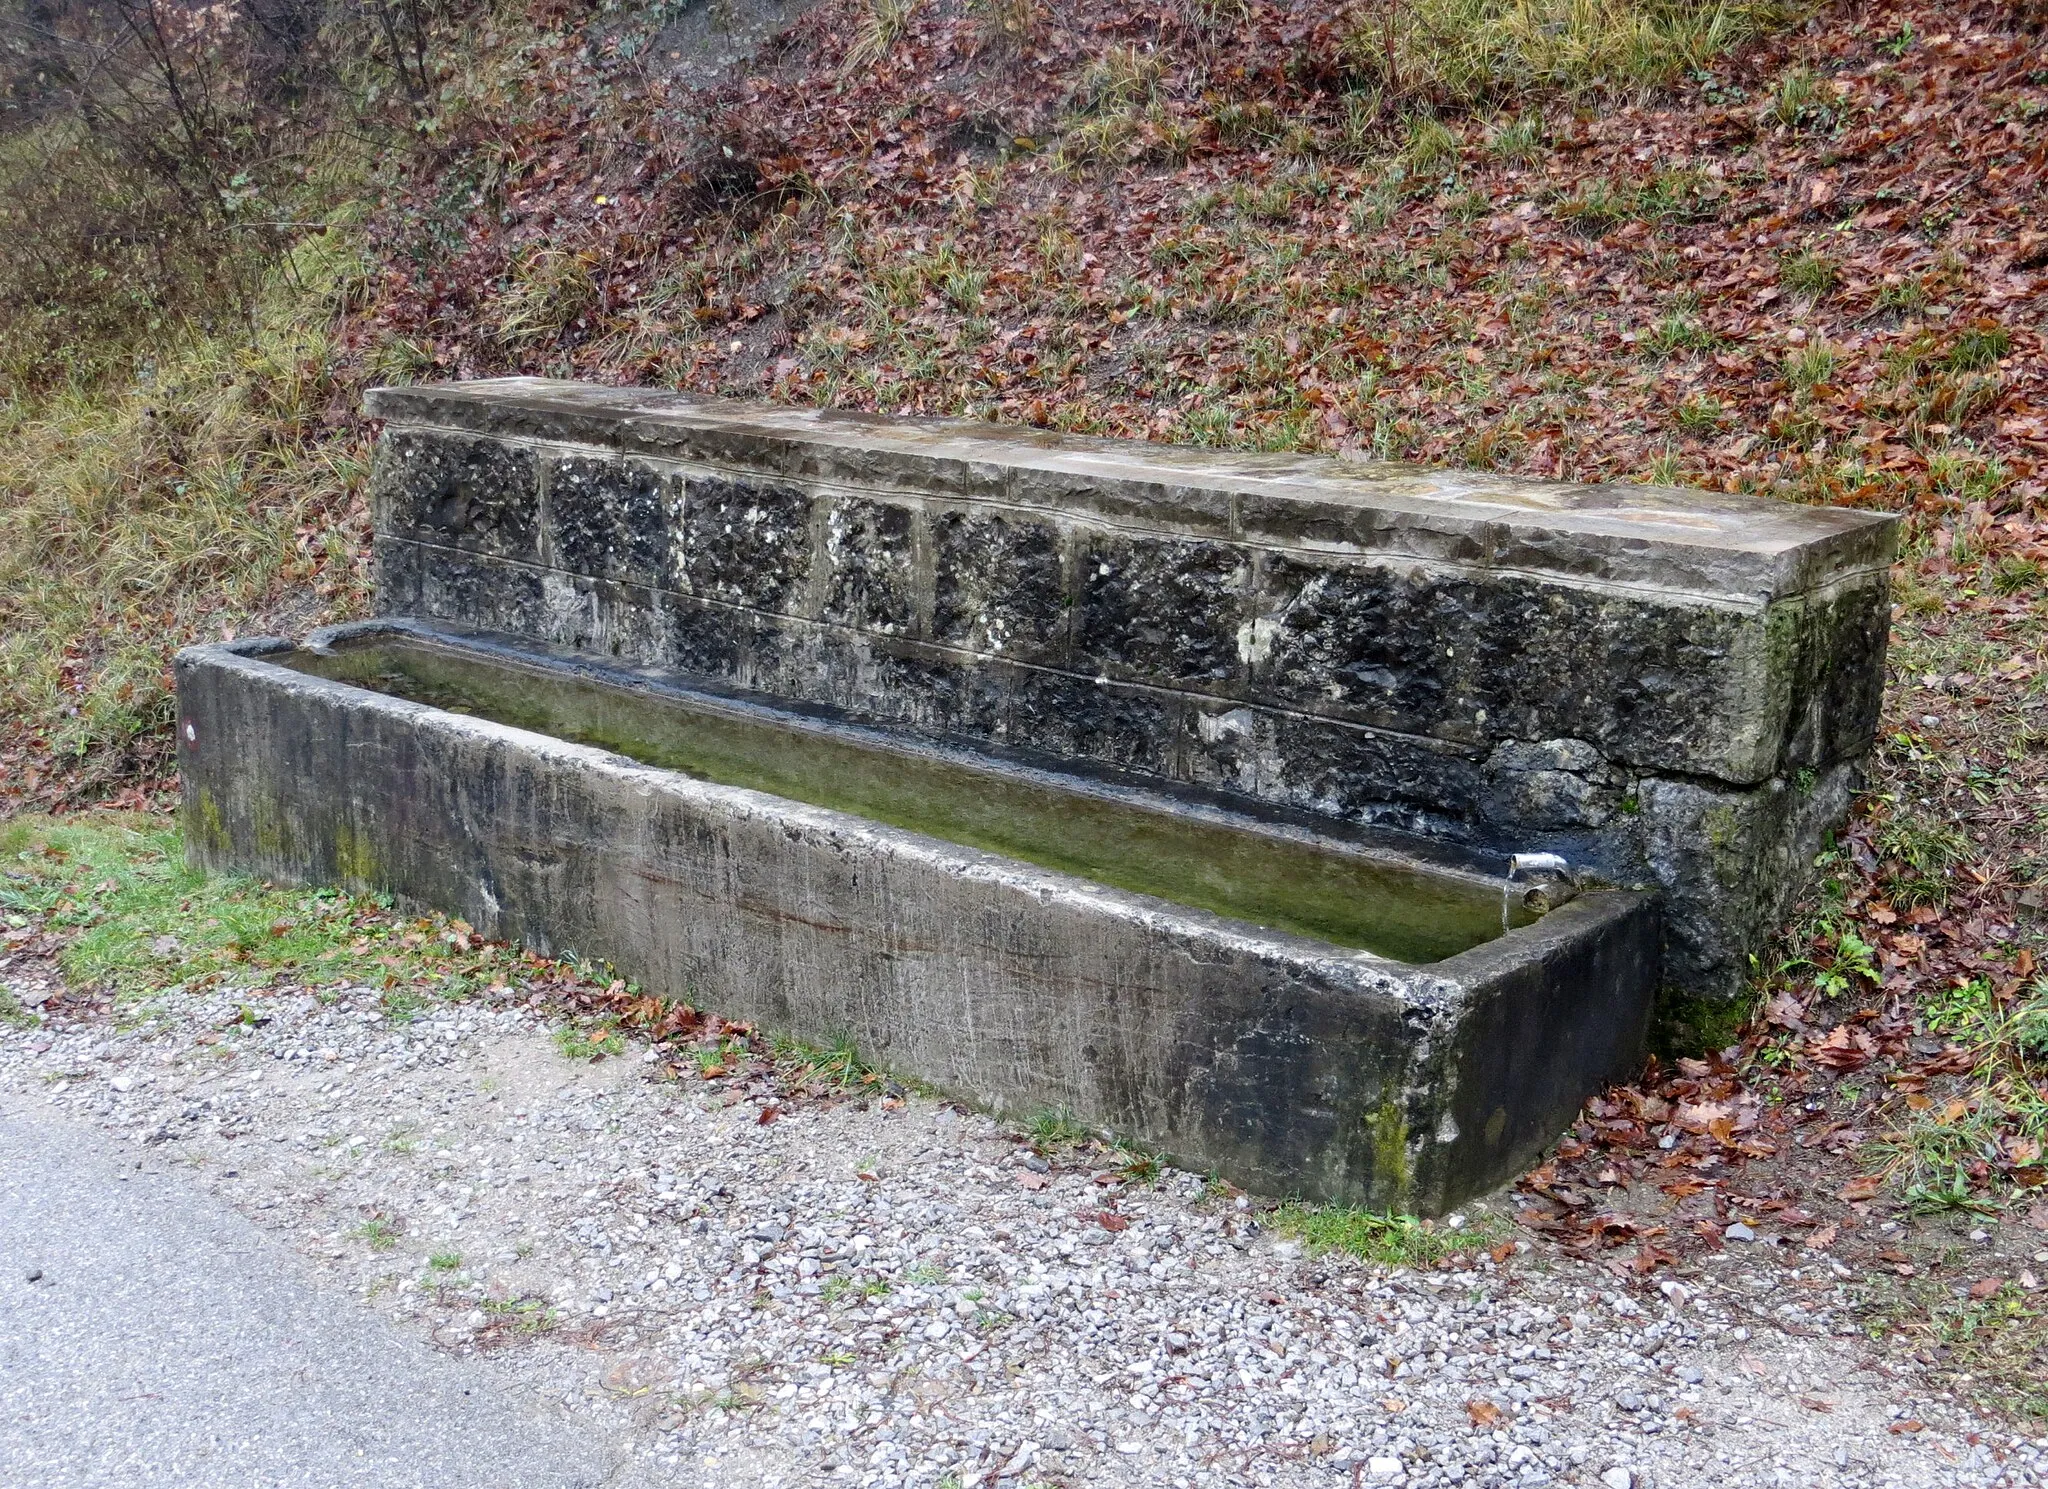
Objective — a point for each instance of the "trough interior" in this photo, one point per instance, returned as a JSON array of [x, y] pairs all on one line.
[[1325, 890]]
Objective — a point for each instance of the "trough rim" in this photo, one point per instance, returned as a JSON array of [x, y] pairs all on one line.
[[1439, 986]]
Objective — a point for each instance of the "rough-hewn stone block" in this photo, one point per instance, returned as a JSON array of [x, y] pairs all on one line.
[[870, 567], [479, 495], [744, 542], [607, 518]]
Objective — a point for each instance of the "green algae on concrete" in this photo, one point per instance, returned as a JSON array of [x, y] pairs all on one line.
[[1313, 889]]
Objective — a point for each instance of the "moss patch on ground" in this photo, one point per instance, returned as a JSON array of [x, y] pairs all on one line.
[[1388, 1238]]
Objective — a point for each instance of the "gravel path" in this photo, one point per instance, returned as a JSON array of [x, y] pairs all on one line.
[[150, 1335], [739, 1290]]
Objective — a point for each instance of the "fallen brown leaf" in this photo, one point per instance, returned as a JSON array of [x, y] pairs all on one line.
[[1847, 1048], [1701, 1116], [1648, 1258], [1785, 1012], [1484, 1414]]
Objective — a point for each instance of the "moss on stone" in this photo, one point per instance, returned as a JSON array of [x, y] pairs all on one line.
[[1391, 1179], [355, 861], [205, 831], [263, 832], [1685, 1023]]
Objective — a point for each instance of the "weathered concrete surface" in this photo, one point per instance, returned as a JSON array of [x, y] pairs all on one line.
[[1673, 689], [1286, 1064]]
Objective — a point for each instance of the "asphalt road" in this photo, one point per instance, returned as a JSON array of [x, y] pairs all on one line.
[[152, 1338]]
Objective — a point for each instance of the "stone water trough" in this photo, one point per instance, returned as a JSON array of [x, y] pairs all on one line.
[[1173, 788]]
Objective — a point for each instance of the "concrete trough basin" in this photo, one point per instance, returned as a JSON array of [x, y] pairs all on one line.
[[1307, 1006]]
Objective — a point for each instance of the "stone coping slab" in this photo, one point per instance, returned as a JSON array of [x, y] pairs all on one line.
[[1728, 549]]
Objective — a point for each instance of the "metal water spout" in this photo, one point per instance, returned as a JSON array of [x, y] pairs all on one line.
[[1555, 882]]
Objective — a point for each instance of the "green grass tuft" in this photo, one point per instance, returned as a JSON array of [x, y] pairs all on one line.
[[1809, 367], [1056, 1129], [837, 1066], [1462, 54], [1810, 274], [379, 1234], [1679, 335], [1701, 414], [1386, 1238], [1979, 348], [138, 921], [594, 1042]]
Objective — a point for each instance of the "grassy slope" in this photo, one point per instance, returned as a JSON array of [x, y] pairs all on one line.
[[1812, 271], [224, 486]]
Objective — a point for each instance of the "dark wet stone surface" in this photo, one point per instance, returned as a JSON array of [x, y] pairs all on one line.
[[1316, 654], [608, 518], [997, 584], [873, 571], [505, 597], [474, 494], [1161, 610], [746, 542]]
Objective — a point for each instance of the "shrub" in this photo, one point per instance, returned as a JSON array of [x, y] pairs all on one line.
[[133, 520]]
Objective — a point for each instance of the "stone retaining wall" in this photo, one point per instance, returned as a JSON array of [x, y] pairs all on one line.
[[1673, 689]]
